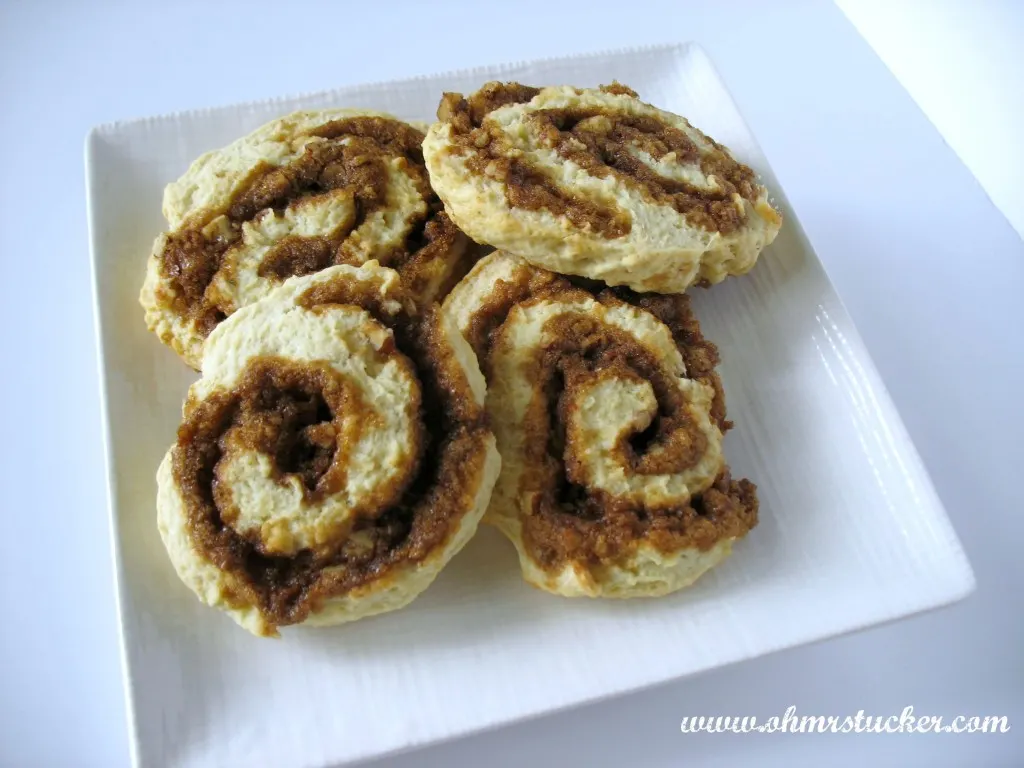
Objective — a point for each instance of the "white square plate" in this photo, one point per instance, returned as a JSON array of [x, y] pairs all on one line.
[[851, 530]]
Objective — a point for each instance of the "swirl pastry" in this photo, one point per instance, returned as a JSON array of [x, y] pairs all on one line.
[[298, 195], [609, 418], [597, 183], [332, 458]]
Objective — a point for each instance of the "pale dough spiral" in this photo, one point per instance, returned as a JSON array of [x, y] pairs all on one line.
[[597, 183], [302, 193], [609, 418], [331, 459]]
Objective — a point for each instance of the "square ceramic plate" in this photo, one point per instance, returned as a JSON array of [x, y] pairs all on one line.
[[851, 530]]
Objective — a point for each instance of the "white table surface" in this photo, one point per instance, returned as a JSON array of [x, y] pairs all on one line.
[[926, 263]]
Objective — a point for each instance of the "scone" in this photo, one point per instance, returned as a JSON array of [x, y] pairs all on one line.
[[609, 418], [333, 457], [598, 184], [300, 194]]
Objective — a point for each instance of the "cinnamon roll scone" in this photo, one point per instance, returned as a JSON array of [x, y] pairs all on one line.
[[597, 183], [333, 457], [609, 418], [300, 194]]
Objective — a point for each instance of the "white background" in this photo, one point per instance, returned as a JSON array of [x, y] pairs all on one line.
[[930, 270]]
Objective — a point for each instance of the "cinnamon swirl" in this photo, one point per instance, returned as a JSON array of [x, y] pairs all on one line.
[[597, 183], [332, 458], [300, 194], [609, 417]]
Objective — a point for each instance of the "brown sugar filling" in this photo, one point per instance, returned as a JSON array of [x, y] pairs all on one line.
[[568, 521], [603, 143], [502, 296], [193, 255], [290, 412]]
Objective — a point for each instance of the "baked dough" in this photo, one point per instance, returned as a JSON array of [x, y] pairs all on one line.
[[332, 458], [609, 418], [599, 184], [301, 193]]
